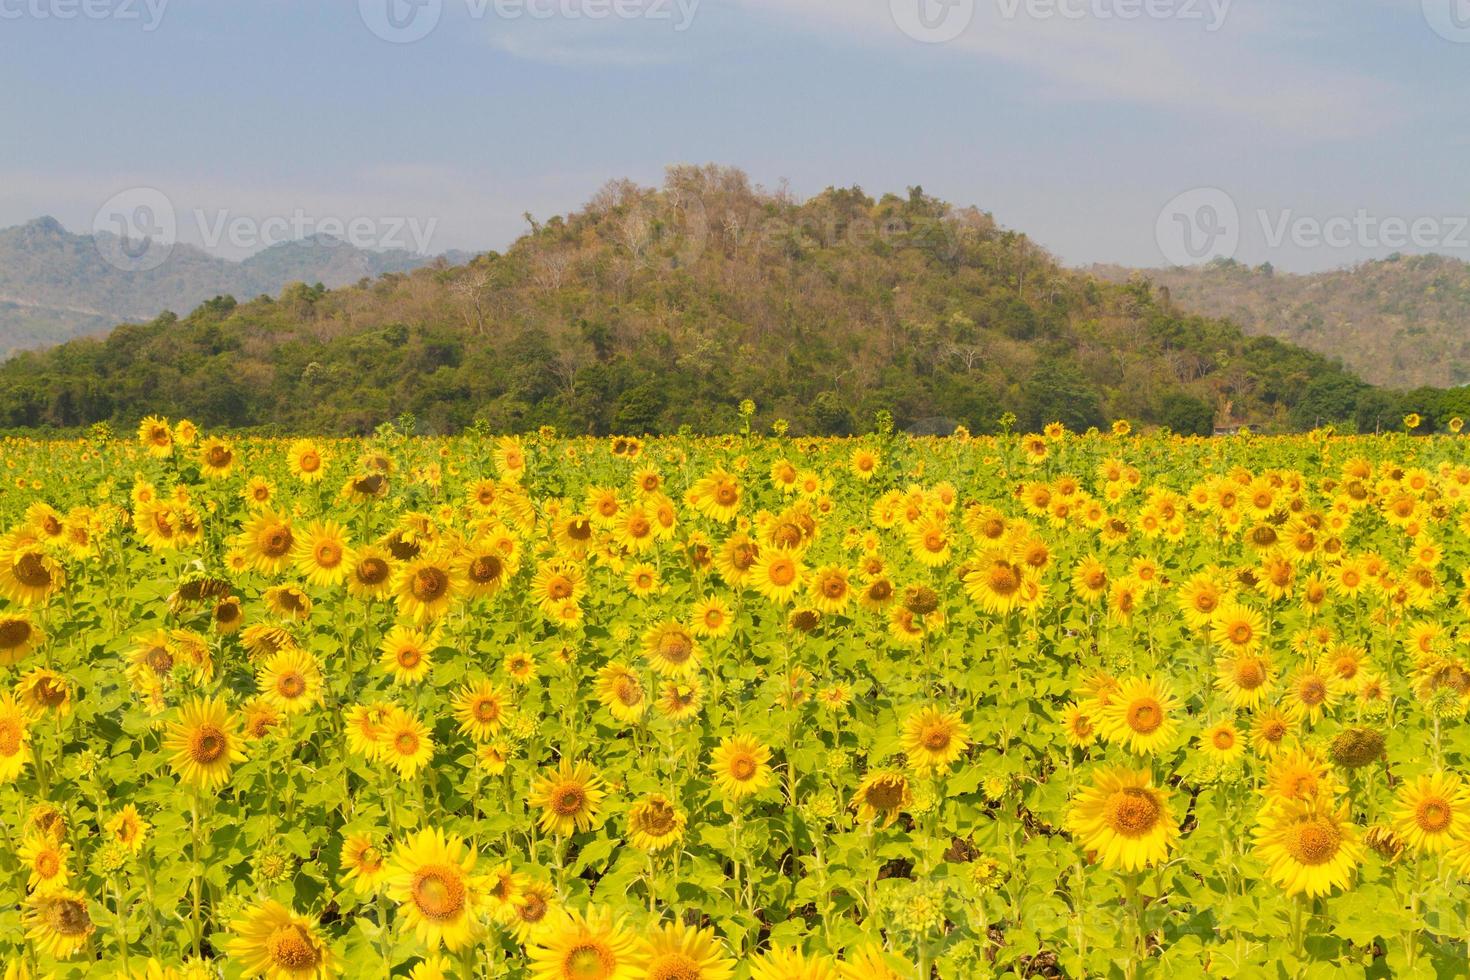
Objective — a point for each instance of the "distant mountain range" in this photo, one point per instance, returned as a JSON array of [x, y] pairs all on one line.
[[1402, 322], [56, 285]]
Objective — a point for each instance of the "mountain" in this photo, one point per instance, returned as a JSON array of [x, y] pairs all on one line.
[[1400, 321], [55, 285], [651, 309]]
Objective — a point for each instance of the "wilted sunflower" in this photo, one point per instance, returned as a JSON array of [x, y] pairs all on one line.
[[569, 798], [1309, 848], [740, 766], [432, 878], [274, 942], [204, 743], [1125, 819], [934, 739], [654, 823], [57, 923], [882, 796], [674, 951]]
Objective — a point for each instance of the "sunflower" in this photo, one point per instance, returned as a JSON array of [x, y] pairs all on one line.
[[1298, 775], [15, 738], [481, 708], [710, 618], [1309, 848], [1269, 732], [268, 541], [1125, 819], [370, 572], [1141, 715], [882, 796], [274, 942], [1244, 679], [680, 700], [405, 744], [569, 797], [367, 726], [716, 496], [364, 865], [290, 681], [554, 583], [574, 946], [307, 461], [790, 963], [216, 458], [777, 575], [1433, 812], [18, 637], [425, 588], [674, 951], [204, 743], [1311, 692], [29, 576], [654, 823], [321, 554], [535, 905], [432, 878], [155, 435], [405, 654], [1221, 742], [57, 923], [129, 829], [621, 692], [996, 584], [671, 649], [1077, 723], [829, 590], [483, 569], [45, 858], [736, 558], [1236, 628], [934, 739], [741, 767], [288, 602]]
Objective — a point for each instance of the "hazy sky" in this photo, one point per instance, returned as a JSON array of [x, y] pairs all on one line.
[[1322, 131]]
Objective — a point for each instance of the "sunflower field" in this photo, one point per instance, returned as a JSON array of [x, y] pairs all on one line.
[[693, 708]]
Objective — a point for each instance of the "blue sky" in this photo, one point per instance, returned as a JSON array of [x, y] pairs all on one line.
[[1077, 124]]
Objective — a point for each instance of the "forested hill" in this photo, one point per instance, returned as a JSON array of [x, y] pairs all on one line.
[[654, 308], [1398, 321]]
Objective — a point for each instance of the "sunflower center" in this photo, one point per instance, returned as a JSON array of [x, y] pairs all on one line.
[[1133, 811], [438, 892], [290, 947], [1145, 716], [47, 864], [329, 554], [485, 568], [406, 743], [1240, 633], [291, 685], [559, 587], [726, 495], [532, 908], [673, 966], [936, 739], [10, 733], [1003, 580], [487, 710], [309, 462], [409, 657], [658, 818], [885, 794], [68, 917], [579, 530], [371, 571], [628, 691], [1249, 675], [1313, 691], [782, 573], [1433, 815], [568, 800], [276, 541], [14, 633], [207, 745], [675, 648], [834, 588], [31, 571], [1223, 739], [1314, 842], [589, 961], [219, 457], [429, 584], [743, 767]]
